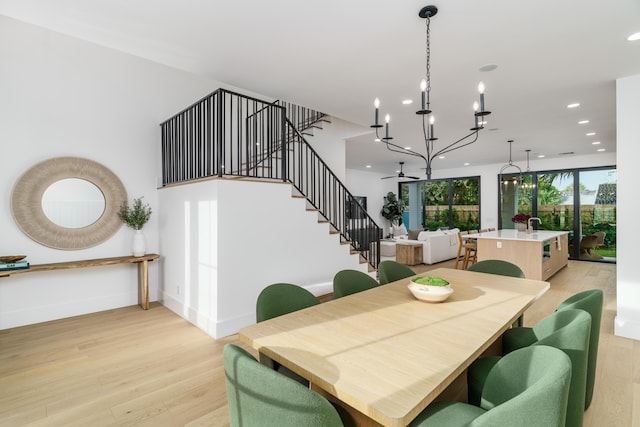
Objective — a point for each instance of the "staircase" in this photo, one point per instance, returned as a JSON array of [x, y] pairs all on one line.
[[226, 134]]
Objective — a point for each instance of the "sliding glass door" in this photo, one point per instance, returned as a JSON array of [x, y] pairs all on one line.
[[598, 214], [580, 201]]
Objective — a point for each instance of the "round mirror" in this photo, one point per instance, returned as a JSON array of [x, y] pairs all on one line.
[[68, 203], [73, 203]]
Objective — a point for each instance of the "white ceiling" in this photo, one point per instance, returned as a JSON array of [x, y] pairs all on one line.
[[337, 56]]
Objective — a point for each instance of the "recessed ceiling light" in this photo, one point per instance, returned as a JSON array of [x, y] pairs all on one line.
[[376, 140], [601, 149], [368, 166], [407, 148], [591, 134], [488, 67], [441, 157], [467, 164], [583, 122], [634, 37], [573, 105], [595, 143], [540, 156], [407, 101]]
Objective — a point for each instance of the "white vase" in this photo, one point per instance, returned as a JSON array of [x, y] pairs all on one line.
[[521, 226], [139, 246]]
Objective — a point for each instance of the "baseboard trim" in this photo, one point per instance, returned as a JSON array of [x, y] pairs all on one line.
[[626, 328], [204, 322]]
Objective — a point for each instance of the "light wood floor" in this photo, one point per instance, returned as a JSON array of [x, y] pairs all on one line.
[[129, 367]]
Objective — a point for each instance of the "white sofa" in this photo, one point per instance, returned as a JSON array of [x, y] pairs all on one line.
[[437, 245]]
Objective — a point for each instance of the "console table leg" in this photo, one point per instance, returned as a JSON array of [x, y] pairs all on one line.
[[143, 284]]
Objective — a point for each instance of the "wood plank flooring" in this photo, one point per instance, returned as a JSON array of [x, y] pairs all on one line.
[[130, 367]]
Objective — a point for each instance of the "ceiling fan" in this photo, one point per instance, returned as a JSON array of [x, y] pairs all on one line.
[[400, 174]]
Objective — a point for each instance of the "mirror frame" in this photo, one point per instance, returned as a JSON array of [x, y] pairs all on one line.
[[26, 203]]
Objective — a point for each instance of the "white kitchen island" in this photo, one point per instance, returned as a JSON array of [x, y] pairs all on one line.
[[539, 254]]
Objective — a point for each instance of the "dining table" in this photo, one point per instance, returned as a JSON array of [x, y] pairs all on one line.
[[386, 355]]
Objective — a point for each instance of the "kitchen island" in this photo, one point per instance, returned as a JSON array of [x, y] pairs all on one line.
[[540, 254]]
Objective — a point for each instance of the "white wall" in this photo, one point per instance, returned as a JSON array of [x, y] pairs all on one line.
[[223, 241], [627, 322], [329, 142], [375, 189], [61, 96]]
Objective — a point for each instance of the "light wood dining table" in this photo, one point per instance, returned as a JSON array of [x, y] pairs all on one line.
[[387, 355]]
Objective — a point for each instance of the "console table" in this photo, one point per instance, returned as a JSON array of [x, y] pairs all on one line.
[[143, 270]]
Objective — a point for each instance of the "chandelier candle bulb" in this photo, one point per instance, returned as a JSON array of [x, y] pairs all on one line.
[[475, 117], [376, 103], [387, 118], [431, 121], [481, 90], [423, 88]]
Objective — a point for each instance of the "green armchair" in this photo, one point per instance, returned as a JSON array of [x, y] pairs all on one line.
[[567, 330], [390, 271], [347, 282], [528, 387], [261, 397]]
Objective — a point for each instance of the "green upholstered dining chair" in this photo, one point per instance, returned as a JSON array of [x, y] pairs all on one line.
[[278, 299], [347, 282], [497, 266], [528, 387], [567, 330], [261, 397], [590, 301], [282, 298], [390, 271]]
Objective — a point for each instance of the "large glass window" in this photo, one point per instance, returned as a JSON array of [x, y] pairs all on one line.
[[436, 206], [516, 196], [452, 203], [581, 201], [555, 201]]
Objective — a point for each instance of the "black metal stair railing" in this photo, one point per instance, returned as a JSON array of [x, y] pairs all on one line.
[[301, 117], [229, 134]]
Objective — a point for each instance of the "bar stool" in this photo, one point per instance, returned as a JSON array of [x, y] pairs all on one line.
[[470, 250]]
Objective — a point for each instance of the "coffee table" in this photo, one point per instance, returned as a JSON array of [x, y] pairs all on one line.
[[409, 253]]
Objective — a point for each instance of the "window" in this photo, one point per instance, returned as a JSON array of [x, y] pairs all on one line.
[[451, 203], [581, 201]]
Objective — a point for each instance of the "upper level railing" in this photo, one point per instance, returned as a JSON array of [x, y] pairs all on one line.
[[229, 134], [301, 117]]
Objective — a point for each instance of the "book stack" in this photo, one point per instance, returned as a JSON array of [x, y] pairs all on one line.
[[17, 265]]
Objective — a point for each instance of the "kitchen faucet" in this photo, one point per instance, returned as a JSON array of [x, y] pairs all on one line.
[[529, 227]]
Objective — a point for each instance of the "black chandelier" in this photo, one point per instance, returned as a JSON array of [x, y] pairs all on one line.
[[425, 111]]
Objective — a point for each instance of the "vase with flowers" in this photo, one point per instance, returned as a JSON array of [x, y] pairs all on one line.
[[136, 217], [520, 220]]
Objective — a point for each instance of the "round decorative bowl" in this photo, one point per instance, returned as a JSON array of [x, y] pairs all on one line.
[[424, 292]]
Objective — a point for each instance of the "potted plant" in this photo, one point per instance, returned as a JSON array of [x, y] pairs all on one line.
[[136, 217], [520, 220], [392, 208]]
